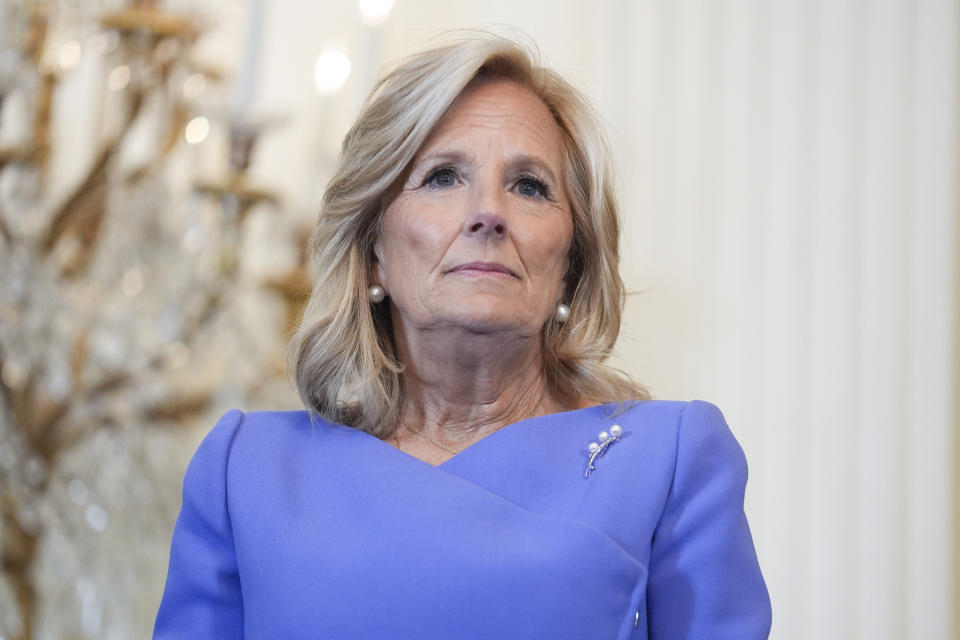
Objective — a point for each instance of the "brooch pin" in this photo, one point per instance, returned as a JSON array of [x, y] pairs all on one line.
[[598, 449]]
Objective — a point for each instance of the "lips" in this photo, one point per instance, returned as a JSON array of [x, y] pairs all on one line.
[[482, 268]]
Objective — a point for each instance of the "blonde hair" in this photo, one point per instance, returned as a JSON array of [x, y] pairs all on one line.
[[345, 367]]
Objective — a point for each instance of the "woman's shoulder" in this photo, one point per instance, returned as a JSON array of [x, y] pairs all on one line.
[[695, 432], [677, 428], [668, 410], [663, 413], [281, 417], [258, 434]]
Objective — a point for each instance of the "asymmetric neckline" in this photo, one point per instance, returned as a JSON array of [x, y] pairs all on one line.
[[490, 440]]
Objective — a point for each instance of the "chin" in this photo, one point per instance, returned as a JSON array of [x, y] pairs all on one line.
[[490, 319]]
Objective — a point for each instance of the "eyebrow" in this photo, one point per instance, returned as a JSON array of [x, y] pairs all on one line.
[[521, 160], [524, 160], [442, 156]]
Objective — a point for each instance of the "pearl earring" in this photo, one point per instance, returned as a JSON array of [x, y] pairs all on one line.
[[563, 312], [376, 294]]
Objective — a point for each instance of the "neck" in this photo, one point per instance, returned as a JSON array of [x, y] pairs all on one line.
[[461, 385]]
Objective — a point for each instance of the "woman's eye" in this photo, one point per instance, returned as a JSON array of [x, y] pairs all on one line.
[[442, 178], [531, 188]]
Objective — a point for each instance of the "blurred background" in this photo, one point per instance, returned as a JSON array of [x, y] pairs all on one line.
[[788, 173]]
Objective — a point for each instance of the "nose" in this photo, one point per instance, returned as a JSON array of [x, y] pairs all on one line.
[[486, 222], [486, 225]]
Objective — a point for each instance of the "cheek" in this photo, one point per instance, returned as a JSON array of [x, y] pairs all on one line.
[[414, 238], [550, 247]]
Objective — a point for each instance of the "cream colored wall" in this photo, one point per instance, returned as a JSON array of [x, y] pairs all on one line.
[[795, 207], [788, 172]]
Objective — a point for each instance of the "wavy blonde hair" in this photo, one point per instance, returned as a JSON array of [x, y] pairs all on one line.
[[345, 363]]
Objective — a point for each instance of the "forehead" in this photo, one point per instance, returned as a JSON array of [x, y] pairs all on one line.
[[503, 111]]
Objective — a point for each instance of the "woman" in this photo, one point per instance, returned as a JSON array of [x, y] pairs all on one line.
[[442, 482]]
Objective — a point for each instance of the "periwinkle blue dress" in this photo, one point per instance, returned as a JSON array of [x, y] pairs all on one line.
[[292, 529]]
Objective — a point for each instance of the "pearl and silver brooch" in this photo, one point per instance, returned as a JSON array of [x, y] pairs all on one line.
[[597, 449]]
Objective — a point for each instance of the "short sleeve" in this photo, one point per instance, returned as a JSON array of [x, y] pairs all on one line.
[[202, 597], [705, 581]]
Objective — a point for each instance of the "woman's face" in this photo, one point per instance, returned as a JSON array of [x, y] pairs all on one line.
[[479, 235]]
